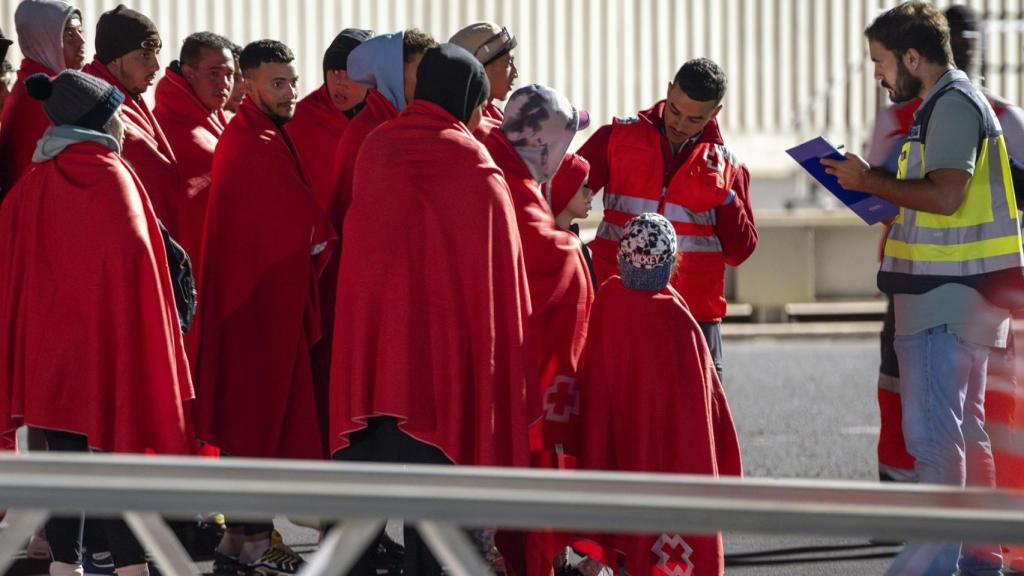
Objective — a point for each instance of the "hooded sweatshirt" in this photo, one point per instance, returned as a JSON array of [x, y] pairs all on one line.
[[378, 64], [40, 27], [57, 138]]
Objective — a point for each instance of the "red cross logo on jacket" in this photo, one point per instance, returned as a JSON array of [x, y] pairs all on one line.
[[673, 555], [561, 400]]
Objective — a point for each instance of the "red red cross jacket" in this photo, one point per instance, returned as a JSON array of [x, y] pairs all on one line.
[[702, 190]]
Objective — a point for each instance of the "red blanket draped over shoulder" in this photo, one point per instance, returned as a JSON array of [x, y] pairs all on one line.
[[265, 243], [316, 130], [192, 131], [560, 295], [22, 123], [378, 110], [434, 293], [147, 150], [89, 335], [652, 402]]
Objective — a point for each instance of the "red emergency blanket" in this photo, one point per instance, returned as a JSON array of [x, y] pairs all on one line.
[[266, 241], [90, 341], [652, 402], [22, 123], [147, 150], [432, 295]]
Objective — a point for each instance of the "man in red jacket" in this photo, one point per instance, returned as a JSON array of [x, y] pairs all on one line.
[[127, 44], [265, 245], [51, 40], [672, 160]]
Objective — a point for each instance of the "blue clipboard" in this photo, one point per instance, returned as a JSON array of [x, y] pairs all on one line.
[[870, 208]]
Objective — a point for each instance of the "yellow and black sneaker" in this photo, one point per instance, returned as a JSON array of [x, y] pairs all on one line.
[[277, 559]]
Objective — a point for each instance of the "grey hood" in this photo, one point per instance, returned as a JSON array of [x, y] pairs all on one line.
[[40, 27], [57, 138]]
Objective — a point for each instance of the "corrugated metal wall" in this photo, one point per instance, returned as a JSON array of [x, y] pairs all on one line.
[[796, 67]]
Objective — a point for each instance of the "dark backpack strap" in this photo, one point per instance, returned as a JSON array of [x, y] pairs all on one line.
[[182, 281]]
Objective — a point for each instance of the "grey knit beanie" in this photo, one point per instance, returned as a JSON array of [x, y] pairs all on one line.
[[75, 98], [647, 252]]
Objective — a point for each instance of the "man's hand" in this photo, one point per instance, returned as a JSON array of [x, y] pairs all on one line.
[[852, 173]]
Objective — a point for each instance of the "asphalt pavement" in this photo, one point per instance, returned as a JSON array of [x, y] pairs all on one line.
[[805, 408]]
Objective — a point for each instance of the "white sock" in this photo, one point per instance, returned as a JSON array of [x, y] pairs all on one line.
[[65, 569], [133, 570], [252, 550]]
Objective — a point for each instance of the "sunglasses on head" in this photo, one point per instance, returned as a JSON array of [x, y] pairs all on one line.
[[505, 41]]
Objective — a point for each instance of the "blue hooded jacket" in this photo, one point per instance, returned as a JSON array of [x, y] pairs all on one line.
[[379, 63]]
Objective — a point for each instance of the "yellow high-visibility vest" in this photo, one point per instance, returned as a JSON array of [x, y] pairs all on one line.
[[980, 244]]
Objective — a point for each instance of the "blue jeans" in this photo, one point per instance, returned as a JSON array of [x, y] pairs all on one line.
[[713, 336], [942, 381]]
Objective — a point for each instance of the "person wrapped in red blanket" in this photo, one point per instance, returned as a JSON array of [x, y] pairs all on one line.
[[651, 398], [90, 344], [51, 40], [320, 120], [127, 44], [428, 361], [528, 146], [265, 245]]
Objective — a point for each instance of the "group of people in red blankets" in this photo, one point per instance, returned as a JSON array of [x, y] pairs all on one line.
[[395, 281]]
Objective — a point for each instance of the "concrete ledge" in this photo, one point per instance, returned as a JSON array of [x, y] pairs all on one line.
[[802, 330], [847, 308]]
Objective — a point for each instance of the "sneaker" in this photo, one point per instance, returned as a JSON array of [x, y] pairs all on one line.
[[278, 559], [98, 563]]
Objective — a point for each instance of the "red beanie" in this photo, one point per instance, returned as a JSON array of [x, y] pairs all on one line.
[[567, 181]]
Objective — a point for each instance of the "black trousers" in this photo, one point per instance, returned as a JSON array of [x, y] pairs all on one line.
[[65, 533], [383, 441]]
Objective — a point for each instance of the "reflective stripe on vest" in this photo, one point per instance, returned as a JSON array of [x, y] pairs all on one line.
[[983, 235], [674, 212], [684, 242]]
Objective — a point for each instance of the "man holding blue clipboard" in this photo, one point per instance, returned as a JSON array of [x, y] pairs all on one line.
[[952, 262]]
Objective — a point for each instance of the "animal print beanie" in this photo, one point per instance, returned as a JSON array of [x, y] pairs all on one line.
[[647, 252]]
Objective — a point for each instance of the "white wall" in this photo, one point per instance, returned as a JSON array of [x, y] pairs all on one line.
[[796, 67]]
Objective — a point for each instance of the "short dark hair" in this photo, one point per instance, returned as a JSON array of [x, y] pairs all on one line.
[[264, 52], [702, 80], [236, 50], [415, 41], [191, 48], [917, 25]]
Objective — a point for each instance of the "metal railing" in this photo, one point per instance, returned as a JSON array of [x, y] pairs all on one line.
[[439, 500]]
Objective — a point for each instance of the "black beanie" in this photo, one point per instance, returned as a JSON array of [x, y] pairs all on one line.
[[75, 98], [121, 31], [336, 56]]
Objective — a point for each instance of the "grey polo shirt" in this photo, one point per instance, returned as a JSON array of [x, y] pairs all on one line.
[[954, 134]]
